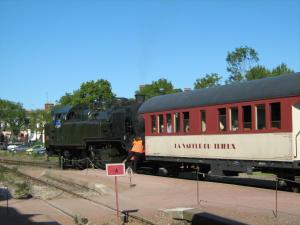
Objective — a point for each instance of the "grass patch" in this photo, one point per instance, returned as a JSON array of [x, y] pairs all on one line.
[[23, 156], [22, 190]]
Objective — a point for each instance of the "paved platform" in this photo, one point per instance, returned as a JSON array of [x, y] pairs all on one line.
[[153, 194]]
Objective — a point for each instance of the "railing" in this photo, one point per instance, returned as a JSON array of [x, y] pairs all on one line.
[[297, 135]]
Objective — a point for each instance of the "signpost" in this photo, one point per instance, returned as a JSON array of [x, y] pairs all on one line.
[[116, 170]]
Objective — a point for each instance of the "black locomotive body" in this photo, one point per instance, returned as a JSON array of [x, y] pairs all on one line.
[[98, 134]]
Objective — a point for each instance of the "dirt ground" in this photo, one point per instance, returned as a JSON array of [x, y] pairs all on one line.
[[151, 195]]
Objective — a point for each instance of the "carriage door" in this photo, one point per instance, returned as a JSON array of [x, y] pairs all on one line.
[[296, 129]]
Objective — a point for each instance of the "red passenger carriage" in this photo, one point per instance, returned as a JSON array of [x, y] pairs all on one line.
[[241, 127]]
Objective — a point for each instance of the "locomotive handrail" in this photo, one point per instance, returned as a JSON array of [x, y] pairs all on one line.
[[297, 144]]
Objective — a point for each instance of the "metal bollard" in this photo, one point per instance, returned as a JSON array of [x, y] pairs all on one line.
[[126, 214]]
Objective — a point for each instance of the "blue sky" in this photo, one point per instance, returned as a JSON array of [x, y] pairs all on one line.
[[48, 48]]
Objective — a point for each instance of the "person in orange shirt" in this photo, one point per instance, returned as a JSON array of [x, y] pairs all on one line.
[[137, 152]]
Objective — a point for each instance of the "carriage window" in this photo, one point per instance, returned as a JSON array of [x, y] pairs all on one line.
[[203, 120], [186, 122], [260, 117], [169, 123], [160, 123], [222, 119], [153, 124], [247, 117], [234, 119], [177, 122], [275, 115]]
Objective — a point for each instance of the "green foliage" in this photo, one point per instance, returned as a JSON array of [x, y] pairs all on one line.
[[281, 69], [22, 190], [38, 118], [88, 93], [210, 80], [239, 62], [258, 72], [12, 116], [241, 66], [159, 87], [66, 99]]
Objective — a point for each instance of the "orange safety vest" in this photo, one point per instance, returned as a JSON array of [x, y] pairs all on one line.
[[138, 147]]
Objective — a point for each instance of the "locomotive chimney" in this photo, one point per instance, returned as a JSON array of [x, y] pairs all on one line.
[[140, 98]]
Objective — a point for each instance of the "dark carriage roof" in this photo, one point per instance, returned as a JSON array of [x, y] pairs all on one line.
[[267, 88], [62, 110]]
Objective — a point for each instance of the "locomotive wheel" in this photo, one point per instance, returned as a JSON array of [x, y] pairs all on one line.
[[101, 157]]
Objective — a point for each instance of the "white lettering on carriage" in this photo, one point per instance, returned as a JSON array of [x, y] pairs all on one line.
[[215, 146]]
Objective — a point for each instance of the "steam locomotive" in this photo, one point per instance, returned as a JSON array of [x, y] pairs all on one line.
[[103, 134], [225, 130]]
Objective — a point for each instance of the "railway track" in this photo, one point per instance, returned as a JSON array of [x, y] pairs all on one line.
[[68, 188], [244, 181], [29, 163]]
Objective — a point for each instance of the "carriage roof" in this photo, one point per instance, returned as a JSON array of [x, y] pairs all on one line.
[[267, 88]]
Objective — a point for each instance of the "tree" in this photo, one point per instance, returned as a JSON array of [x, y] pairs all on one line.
[[281, 69], [88, 93], [12, 116], [210, 80], [37, 120], [66, 99], [258, 72], [239, 62], [159, 87]]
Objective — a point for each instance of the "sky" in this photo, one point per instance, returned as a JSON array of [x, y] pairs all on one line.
[[48, 48]]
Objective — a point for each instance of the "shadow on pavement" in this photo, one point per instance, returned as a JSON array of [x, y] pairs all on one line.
[[253, 182], [205, 218], [10, 216], [244, 181]]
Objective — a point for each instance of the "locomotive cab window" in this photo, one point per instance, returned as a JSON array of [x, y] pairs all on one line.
[[260, 117], [160, 123], [234, 119], [203, 120], [71, 116], [247, 117], [153, 124], [177, 122], [275, 115], [222, 119], [169, 123], [186, 122]]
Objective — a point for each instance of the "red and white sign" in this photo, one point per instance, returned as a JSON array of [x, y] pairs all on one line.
[[115, 169]]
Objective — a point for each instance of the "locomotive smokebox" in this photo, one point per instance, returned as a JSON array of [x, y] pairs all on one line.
[[140, 98]]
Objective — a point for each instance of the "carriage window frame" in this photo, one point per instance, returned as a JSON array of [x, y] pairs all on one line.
[[153, 128], [169, 128], [203, 122], [177, 118], [160, 123], [247, 114], [234, 118], [186, 122], [260, 117], [222, 119], [275, 115]]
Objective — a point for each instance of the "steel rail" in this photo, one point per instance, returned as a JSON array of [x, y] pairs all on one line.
[[103, 205]]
